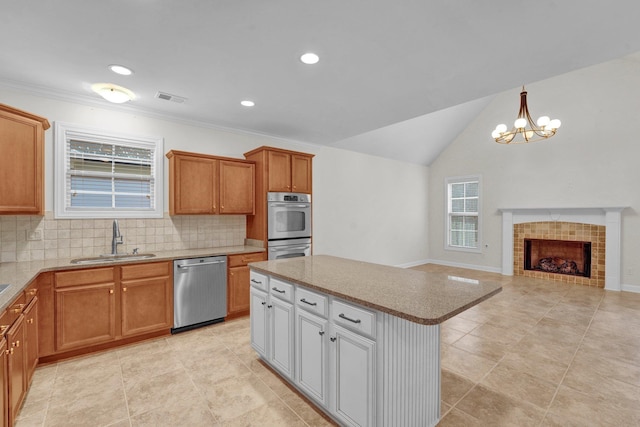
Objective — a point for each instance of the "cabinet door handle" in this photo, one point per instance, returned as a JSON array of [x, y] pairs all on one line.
[[278, 290], [255, 281], [321, 333], [333, 339], [342, 316], [269, 306], [307, 302]]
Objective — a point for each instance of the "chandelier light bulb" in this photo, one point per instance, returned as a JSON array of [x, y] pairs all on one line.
[[543, 121], [555, 124], [520, 123], [495, 134], [501, 128]]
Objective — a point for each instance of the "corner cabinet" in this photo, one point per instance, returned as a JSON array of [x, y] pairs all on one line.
[[277, 170], [22, 162], [201, 184]]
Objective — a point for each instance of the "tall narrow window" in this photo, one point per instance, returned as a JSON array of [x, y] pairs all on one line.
[[463, 213], [103, 175]]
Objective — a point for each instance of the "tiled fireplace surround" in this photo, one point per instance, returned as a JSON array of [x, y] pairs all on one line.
[[71, 238], [600, 226]]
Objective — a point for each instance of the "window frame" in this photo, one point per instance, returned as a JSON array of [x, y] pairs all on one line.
[[448, 214], [65, 131]]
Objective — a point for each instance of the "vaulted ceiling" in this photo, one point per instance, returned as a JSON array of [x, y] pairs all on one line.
[[398, 79]]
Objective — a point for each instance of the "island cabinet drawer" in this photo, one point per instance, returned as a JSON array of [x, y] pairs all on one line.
[[280, 289], [259, 281], [312, 302], [354, 318]]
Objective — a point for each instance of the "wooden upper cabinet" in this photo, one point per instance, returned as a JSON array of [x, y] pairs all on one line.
[[301, 173], [284, 171], [237, 189], [203, 184], [22, 162], [193, 187]]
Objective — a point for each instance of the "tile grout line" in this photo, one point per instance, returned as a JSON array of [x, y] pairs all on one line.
[[553, 398]]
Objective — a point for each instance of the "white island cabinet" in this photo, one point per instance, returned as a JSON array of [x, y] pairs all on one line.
[[352, 339]]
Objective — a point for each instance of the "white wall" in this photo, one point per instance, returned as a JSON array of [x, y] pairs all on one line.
[[591, 162], [365, 207]]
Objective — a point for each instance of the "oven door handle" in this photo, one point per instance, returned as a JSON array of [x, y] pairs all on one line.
[[287, 205], [289, 249]]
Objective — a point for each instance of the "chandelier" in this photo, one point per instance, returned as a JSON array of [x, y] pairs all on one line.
[[524, 129]]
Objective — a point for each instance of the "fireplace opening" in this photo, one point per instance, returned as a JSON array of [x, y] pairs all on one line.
[[558, 256]]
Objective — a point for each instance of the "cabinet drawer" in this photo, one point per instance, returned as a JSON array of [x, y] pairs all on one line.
[[5, 322], [280, 289], [142, 271], [259, 281], [240, 260], [354, 318], [312, 302], [16, 307], [31, 291], [87, 276]]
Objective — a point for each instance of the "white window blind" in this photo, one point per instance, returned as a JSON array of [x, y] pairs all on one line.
[[463, 213], [102, 175]]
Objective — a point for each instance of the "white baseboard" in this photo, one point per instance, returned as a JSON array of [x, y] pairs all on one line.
[[631, 288]]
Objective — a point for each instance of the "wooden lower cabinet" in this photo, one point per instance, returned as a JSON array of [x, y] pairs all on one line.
[[31, 338], [147, 298], [16, 372], [85, 315], [4, 392], [238, 298], [98, 307]]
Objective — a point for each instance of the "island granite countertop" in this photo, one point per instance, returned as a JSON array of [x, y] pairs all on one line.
[[19, 274], [422, 297]]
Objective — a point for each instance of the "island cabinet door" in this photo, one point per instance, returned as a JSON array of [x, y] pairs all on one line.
[[281, 338], [353, 377], [259, 321], [312, 362]]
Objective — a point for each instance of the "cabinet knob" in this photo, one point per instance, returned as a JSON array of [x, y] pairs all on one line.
[[17, 343], [263, 303], [32, 292], [124, 289], [321, 333], [269, 306], [30, 321], [110, 291], [10, 351], [333, 339]]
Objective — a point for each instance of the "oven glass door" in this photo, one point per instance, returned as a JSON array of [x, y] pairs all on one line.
[[289, 220]]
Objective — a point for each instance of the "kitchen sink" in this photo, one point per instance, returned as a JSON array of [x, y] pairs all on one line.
[[102, 259], [3, 287]]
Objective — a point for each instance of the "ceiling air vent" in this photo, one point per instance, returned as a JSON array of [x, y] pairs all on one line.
[[172, 98]]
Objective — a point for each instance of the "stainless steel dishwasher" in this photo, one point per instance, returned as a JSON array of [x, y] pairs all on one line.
[[199, 292]]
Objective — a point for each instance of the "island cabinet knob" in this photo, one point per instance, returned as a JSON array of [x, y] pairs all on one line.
[[264, 303], [321, 333], [333, 339], [269, 306]]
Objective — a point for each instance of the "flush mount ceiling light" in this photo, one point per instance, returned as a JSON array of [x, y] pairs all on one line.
[[247, 103], [310, 58], [524, 129], [121, 69], [113, 93]]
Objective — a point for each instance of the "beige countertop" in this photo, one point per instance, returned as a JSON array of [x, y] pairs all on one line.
[[421, 297], [19, 274]]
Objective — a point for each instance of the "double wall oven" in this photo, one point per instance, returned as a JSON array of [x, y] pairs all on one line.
[[289, 225]]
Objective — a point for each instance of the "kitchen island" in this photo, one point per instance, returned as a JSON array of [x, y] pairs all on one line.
[[361, 340]]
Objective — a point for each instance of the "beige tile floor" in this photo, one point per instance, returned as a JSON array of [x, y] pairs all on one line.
[[539, 353]]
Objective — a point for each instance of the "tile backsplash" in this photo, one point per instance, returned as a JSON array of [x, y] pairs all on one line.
[[29, 238]]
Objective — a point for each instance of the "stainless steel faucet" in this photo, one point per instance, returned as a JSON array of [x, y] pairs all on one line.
[[116, 235]]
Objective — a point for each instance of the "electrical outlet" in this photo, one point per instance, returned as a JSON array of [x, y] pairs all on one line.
[[34, 235]]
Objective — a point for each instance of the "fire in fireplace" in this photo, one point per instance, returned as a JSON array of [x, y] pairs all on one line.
[[558, 256]]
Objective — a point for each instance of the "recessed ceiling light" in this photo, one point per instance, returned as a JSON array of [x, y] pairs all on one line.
[[310, 58], [247, 103], [113, 93], [121, 69]]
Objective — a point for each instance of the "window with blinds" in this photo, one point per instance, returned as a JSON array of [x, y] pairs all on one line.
[[463, 213], [102, 175]]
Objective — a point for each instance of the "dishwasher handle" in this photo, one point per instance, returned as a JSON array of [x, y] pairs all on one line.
[[198, 265]]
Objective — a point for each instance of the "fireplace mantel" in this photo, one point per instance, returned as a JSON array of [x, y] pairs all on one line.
[[609, 216]]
